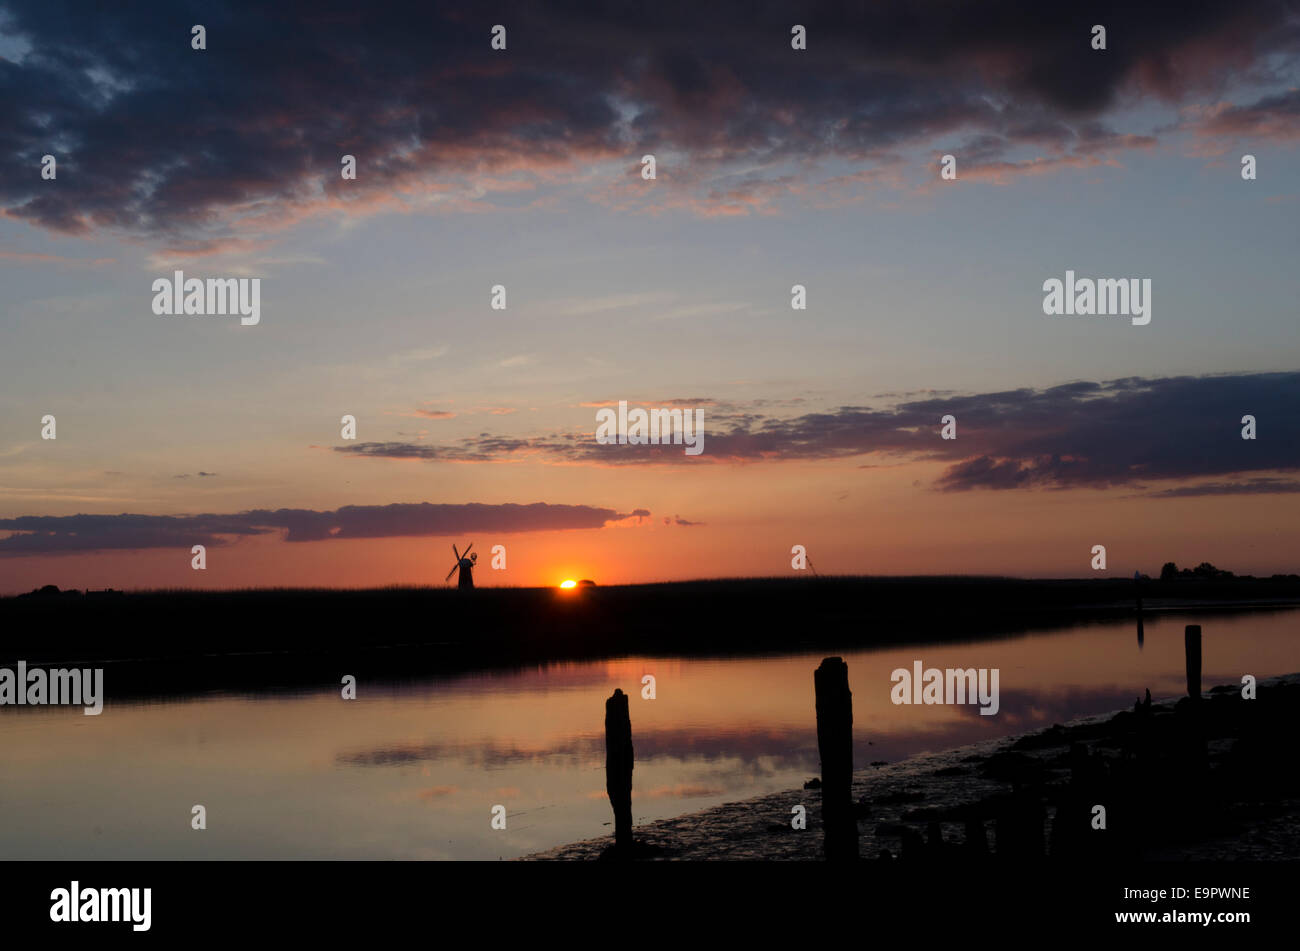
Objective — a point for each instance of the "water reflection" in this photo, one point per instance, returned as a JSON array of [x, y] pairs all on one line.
[[412, 770]]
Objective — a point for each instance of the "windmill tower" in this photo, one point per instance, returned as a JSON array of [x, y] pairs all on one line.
[[465, 565]]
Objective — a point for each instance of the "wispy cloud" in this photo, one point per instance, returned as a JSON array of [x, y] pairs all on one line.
[[27, 257], [1257, 486]]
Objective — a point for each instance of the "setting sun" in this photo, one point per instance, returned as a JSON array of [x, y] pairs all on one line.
[[570, 583]]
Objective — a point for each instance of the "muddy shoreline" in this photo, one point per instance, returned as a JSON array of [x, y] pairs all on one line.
[[1211, 780]]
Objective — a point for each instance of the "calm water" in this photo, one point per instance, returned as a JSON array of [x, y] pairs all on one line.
[[412, 771]]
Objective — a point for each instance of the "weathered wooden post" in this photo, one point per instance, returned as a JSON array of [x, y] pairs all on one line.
[[1198, 748], [618, 768], [1192, 644], [835, 746]]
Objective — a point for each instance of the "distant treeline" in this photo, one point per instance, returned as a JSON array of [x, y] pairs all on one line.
[[1206, 570]]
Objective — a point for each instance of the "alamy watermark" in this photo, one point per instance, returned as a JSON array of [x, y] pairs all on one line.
[[37, 687], [655, 427], [74, 904], [1123, 297], [215, 297], [951, 685]]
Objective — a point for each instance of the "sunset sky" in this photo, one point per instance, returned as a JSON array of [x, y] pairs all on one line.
[[522, 167]]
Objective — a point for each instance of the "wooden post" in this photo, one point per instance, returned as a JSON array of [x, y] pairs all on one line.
[[1192, 644], [1137, 588], [835, 746], [618, 768]]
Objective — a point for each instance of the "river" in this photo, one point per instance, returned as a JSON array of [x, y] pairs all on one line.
[[413, 770]]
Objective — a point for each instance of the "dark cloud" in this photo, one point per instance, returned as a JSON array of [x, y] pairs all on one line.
[[44, 534], [1248, 487], [1125, 432], [39, 535], [391, 450], [482, 448], [158, 139], [1081, 434]]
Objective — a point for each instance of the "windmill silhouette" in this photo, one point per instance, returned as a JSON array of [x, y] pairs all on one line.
[[465, 565]]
